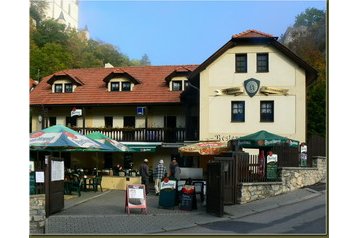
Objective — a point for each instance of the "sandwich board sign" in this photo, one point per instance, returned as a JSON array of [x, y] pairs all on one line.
[[136, 198]]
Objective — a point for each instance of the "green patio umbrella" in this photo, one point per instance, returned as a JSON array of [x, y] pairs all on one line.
[[264, 139], [114, 145], [61, 138]]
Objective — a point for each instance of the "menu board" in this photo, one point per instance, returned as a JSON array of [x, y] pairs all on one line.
[[135, 197], [57, 170]]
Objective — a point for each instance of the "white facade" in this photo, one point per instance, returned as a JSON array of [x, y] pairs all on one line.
[[65, 11]]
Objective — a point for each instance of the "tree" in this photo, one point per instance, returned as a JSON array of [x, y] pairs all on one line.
[[307, 38], [145, 60], [37, 9]]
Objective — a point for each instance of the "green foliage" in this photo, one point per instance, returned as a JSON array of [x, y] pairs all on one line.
[[53, 47], [307, 38], [316, 109]]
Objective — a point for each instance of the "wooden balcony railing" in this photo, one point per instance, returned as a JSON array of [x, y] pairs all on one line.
[[139, 134]]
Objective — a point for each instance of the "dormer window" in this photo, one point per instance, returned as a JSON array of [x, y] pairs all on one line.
[[119, 80], [58, 87], [178, 79], [126, 86], [63, 82], [68, 88], [115, 86], [177, 85]]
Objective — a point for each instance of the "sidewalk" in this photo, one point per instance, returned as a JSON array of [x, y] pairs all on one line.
[[103, 213]]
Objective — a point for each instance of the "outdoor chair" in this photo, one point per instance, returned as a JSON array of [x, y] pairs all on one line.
[[97, 181], [76, 184]]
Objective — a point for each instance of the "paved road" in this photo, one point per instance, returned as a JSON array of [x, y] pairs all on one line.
[[305, 217]]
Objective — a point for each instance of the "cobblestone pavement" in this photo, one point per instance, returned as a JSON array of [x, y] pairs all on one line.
[[103, 213]]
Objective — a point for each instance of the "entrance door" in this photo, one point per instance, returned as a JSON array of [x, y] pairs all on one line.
[[54, 185], [229, 178], [214, 189]]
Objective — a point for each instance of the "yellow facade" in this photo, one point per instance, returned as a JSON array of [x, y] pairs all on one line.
[[289, 110]]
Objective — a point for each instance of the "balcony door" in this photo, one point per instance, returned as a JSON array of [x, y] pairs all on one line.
[[170, 124], [128, 125]]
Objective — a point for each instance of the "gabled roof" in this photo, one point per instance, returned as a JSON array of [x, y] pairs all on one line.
[[252, 34], [256, 37], [120, 73], [66, 75], [151, 89], [180, 71]]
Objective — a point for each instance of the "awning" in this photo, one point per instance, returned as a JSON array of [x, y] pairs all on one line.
[[205, 148], [142, 146]]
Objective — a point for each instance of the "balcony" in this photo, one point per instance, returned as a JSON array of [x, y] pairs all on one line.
[[167, 135]]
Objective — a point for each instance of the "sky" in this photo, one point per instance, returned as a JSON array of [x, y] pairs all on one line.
[[183, 32]]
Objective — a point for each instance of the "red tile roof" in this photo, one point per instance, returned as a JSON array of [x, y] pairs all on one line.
[[152, 87], [251, 33], [33, 83]]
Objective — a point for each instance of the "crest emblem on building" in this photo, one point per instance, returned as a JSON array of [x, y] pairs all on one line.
[[252, 86]]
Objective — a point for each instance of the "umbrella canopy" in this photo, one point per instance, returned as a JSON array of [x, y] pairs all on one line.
[[64, 138], [205, 148], [103, 139], [264, 139]]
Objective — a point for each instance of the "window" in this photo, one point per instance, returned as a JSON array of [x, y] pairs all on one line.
[[68, 88], [262, 62], [115, 86], [238, 111], [129, 121], [266, 111], [108, 122], [71, 121], [126, 86], [58, 88], [52, 121], [177, 85], [186, 84], [241, 63]]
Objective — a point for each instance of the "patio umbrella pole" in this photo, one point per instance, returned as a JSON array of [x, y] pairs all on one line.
[[96, 163]]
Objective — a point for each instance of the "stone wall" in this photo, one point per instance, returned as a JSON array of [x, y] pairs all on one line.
[[37, 214], [292, 178]]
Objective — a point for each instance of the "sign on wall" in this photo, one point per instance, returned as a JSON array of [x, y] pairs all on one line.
[[251, 86]]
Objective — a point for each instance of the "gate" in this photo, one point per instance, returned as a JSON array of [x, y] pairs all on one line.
[[229, 177], [214, 189], [54, 185]]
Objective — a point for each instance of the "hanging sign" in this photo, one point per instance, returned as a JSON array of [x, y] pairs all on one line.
[[136, 198], [76, 112]]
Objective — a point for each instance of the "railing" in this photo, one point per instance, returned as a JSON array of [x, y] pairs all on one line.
[[139, 134]]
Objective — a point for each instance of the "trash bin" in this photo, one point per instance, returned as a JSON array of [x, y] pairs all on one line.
[[167, 194], [188, 198]]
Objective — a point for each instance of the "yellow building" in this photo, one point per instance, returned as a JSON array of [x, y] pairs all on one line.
[[252, 83]]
